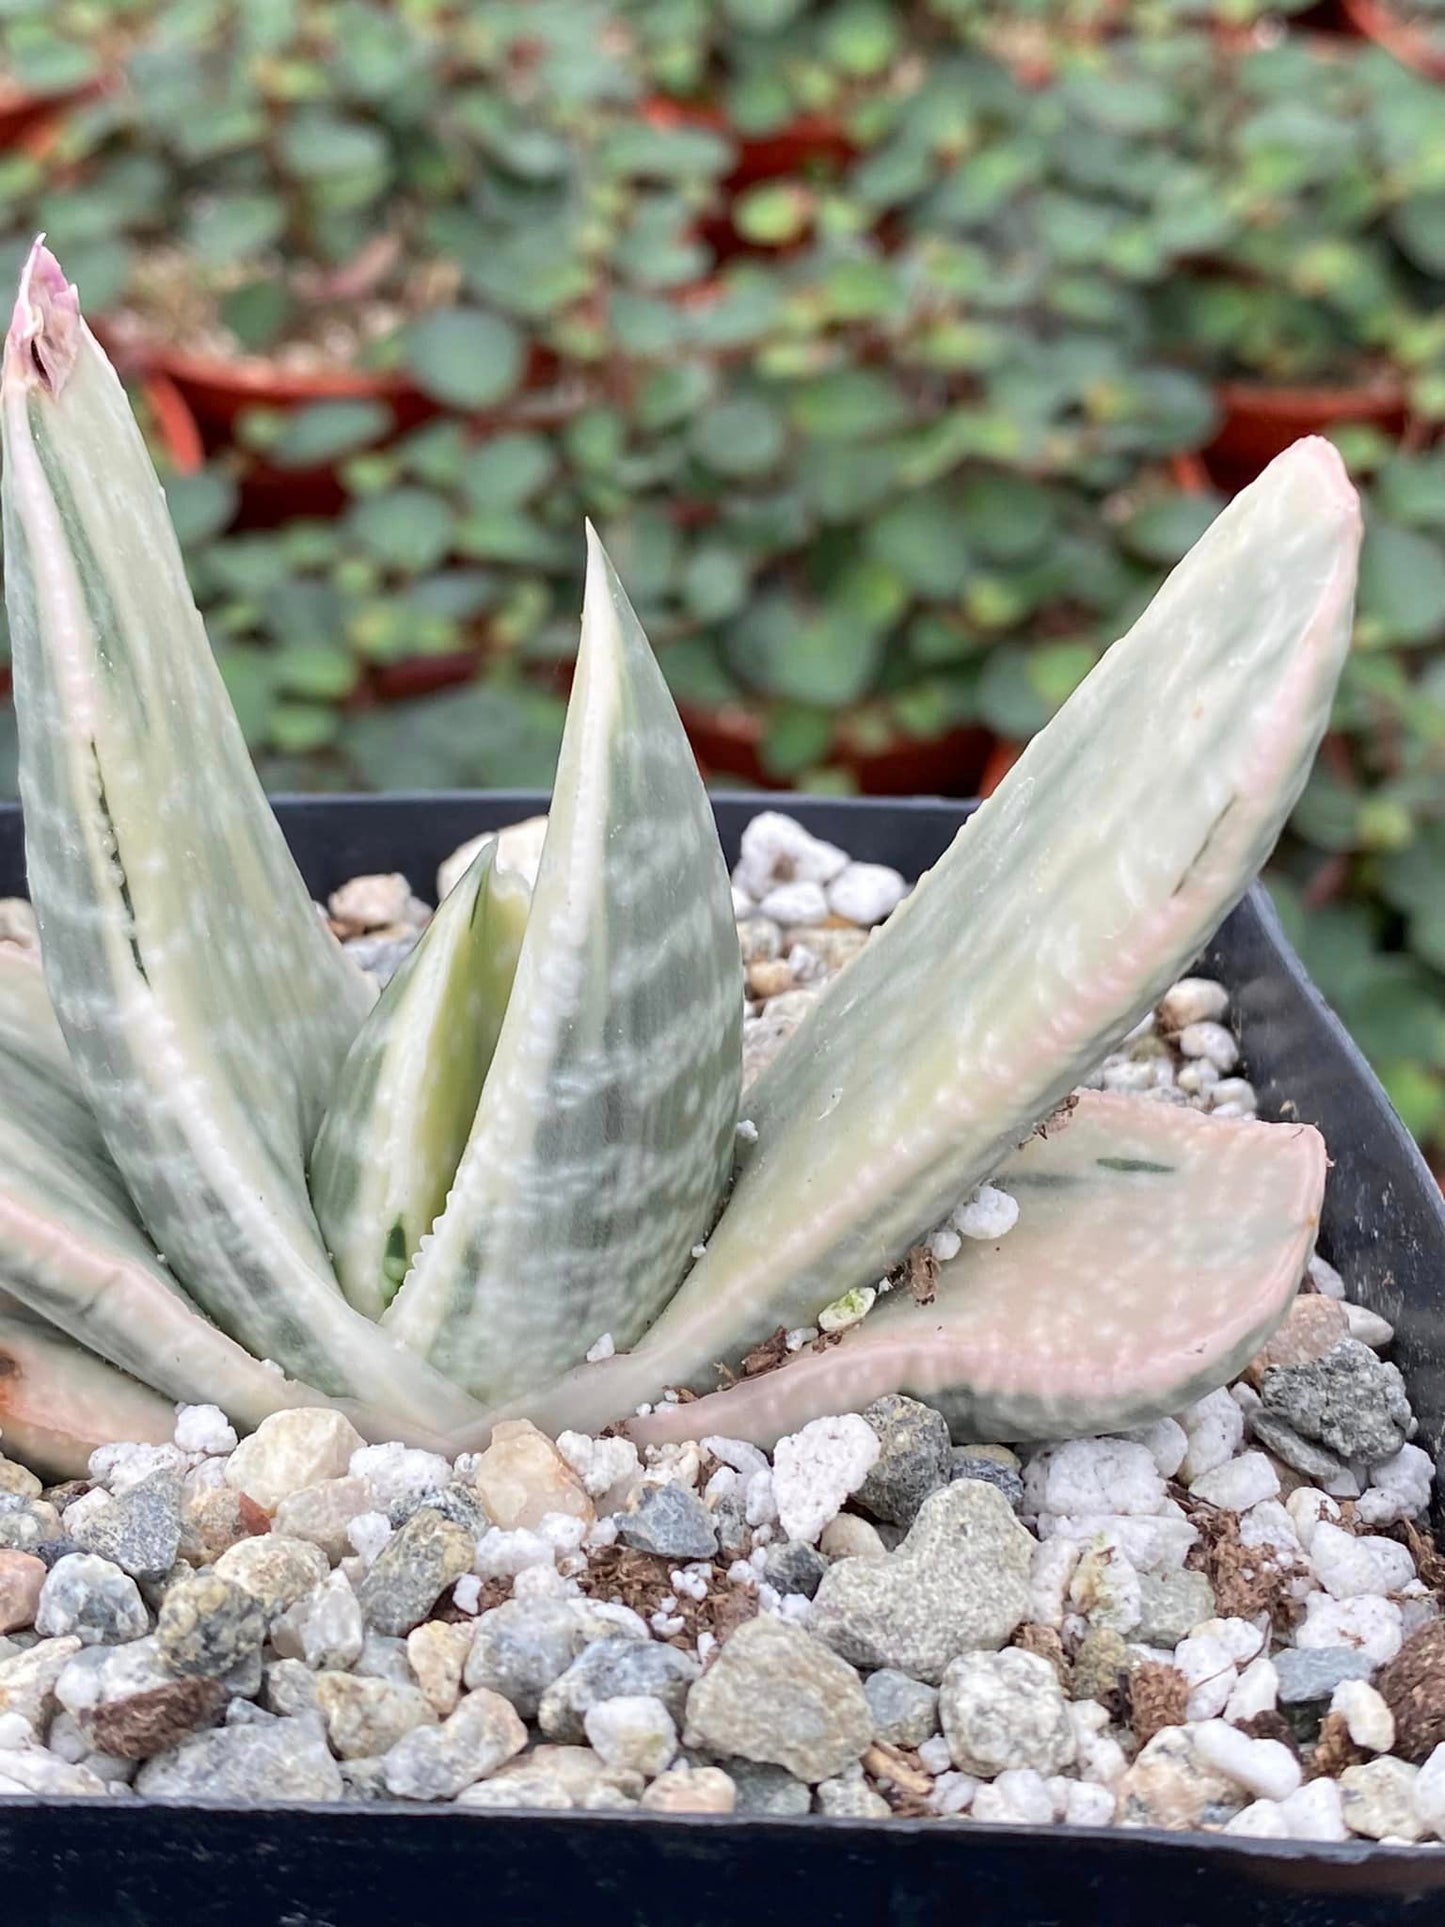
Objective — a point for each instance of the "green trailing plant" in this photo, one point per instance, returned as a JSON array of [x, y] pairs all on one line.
[[213, 1116]]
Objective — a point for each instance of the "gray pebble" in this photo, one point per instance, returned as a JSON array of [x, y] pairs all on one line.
[[413, 1570], [280, 1760], [1006, 1478], [437, 1762], [520, 1647], [610, 1669], [288, 1687], [462, 1504], [1171, 1605], [793, 1567], [730, 1520], [671, 1521], [1350, 1400], [1316, 1461], [25, 1524], [958, 1583], [383, 1656], [139, 1529], [849, 1797], [915, 1458], [905, 1711], [364, 1780], [762, 1788], [1313, 1672], [207, 1626], [775, 1693], [92, 1598], [51, 1551]]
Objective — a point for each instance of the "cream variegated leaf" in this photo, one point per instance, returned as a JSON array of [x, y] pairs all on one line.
[[58, 1402], [1156, 1249], [1093, 874], [403, 1106], [604, 1134], [206, 1009]]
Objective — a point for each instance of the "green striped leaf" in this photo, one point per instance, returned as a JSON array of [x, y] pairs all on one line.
[[403, 1106], [604, 1134], [205, 1008]]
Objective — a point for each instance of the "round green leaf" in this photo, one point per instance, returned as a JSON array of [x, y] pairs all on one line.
[[407, 528], [1165, 530], [326, 430], [1402, 586], [464, 357], [743, 436]]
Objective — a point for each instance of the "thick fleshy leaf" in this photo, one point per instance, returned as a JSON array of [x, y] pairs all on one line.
[[604, 1134], [1095, 872], [74, 1254], [403, 1106], [58, 1401], [1156, 1249], [205, 1008]]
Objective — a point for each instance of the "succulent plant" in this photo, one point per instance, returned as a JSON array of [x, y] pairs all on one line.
[[432, 1208]]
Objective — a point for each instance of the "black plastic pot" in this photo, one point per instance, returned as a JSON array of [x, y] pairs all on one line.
[[128, 1864]]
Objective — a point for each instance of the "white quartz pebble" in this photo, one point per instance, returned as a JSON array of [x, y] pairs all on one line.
[[1368, 1719], [1372, 1625], [1265, 1768], [1350, 1567], [1238, 1484], [866, 893]]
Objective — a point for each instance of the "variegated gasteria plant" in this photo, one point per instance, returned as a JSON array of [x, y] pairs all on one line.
[[225, 1176]]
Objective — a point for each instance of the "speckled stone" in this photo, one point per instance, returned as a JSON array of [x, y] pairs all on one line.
[[520, 1647], [139, 1530], [776, 1694], [437, 1762], [1309, 1673], [207, 1625], [92, 1598], [905, 1711], [27, 1679], [1171, 1605], [793, 1567], [761, 1788], [274, 1570], [26, 1523], [958, 1583], [671, 1521], [413, 1570], [368, 1716], [967, 1463], [1001, 1710], [279, 1760], [915, 1458], [1350, 1400], [610, 1669]]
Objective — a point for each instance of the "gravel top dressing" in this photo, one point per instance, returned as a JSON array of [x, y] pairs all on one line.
[[1228, 1620]]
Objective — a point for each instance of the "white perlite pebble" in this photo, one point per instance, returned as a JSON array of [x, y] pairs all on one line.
[[777, 849], [1237, 1484], [1265, 1768], [1368, 1326], [1368, 1719], [1165, 1441], [1193, 1000], [1429, 1794], [1019, 1797], [122, 1466], [1352, 1568], [205, 1429], [817, 1469], [1372, 1626], [1050, 1571], [1256, 1692], [1398, 1489], [399, 1475], [740, 1454], [634, 1732], [503, 1555], [1084, 1476], [851, 1309], [1208, 1665], [988, 1214], [599, 1463], [1212, 1042], [1307, 1506], [790, 903], [866, 893], [1087, 1804], [368, 1533], [1215, 1429], [944, 1244]]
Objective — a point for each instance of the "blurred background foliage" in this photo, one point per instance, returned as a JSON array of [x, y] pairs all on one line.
[[896, 349]]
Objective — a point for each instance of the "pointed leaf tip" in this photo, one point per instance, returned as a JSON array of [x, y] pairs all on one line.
[[45, 323]]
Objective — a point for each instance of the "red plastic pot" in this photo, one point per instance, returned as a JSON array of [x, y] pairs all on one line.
[[1259, 420]]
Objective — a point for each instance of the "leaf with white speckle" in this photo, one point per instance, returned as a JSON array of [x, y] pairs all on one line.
[[605, 1131]]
